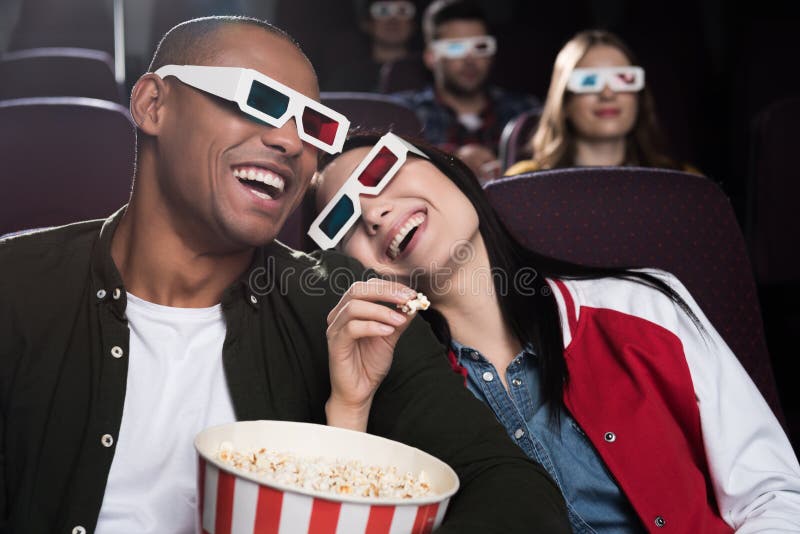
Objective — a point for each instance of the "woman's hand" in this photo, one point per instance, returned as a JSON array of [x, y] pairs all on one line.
[[362, 335]]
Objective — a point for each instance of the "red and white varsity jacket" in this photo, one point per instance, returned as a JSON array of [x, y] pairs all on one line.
[[673, 414]]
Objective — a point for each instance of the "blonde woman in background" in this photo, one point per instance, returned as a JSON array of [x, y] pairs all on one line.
[[599, 111]]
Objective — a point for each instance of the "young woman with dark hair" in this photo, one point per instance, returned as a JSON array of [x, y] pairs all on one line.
[[612, 379]]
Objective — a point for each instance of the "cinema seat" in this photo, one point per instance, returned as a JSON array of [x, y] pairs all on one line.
[[62, 159], [671, 220]]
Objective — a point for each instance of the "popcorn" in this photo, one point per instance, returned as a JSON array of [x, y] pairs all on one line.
[[338, 477], [421, 302]]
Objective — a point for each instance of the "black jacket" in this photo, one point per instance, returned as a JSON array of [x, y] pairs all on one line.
[[63, 369]]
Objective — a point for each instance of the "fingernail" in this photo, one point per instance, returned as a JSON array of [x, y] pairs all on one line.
[[396, 318], [386, 329]]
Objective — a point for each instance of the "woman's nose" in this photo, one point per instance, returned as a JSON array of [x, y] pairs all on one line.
[[607, 93], [374, 213]]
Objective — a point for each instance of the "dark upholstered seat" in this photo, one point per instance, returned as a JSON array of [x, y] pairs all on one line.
[[408, 74], [773, 232], [623, 216], [368, 111], [515, 141], [58, 72], [62, 160], [79, 23], [773, 225]]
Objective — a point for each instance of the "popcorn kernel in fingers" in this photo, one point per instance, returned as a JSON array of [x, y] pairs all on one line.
[[420, 302]]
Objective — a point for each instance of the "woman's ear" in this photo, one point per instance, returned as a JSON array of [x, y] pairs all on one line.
[[147, 103]]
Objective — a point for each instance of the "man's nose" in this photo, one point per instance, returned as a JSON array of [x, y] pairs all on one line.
[[285, 139]]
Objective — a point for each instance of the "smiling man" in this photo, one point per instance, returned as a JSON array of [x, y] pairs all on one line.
[[121, 339], [461, 108]]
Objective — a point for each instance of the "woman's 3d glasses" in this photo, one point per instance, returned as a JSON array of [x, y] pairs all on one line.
[[370, 177], [482, 46], [385, 10], [618, 79], [267, 100]]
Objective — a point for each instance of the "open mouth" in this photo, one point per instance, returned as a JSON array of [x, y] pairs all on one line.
[[404, 235], [264, 183]]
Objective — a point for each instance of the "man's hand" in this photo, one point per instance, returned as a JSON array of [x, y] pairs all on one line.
[[362, 335]]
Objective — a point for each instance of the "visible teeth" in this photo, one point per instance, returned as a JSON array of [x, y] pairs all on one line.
[[265, 177], [413, 222], [259, 194]]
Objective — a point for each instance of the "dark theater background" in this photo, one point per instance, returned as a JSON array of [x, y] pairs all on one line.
[[725, 77]]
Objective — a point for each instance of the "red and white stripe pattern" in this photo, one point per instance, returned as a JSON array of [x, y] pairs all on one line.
[[228, 504]]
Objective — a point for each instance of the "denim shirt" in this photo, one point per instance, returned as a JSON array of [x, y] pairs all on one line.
[[594, 501]]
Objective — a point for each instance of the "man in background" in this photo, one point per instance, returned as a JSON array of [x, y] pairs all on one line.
[[353, 62], [461, 112]]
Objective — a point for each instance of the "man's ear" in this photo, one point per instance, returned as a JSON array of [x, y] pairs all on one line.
[[147, 103], [429, 58]]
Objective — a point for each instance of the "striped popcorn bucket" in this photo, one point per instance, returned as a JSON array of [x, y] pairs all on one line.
[[233, 502]]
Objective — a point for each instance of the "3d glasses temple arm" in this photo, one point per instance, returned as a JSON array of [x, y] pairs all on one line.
[[220, 81]]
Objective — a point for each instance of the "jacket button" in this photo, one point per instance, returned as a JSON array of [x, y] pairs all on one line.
[[116, 352], [107, 440], [79, 530], [253, 299], [519, 433], [517, 382], [660, 522], [101, 294], [487, 376], [610, 437], [116, 294]]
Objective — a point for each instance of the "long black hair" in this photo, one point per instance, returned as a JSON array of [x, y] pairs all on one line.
[[533, 317]]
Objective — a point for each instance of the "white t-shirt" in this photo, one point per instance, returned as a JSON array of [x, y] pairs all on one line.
[[176, 388]]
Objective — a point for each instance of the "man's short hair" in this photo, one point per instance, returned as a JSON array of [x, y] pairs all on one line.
[[442, 11], [192, 42]]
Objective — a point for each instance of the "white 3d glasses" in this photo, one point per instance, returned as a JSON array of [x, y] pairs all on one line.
[[267, 100], [482, 46], [399, 9], [618, 79]]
